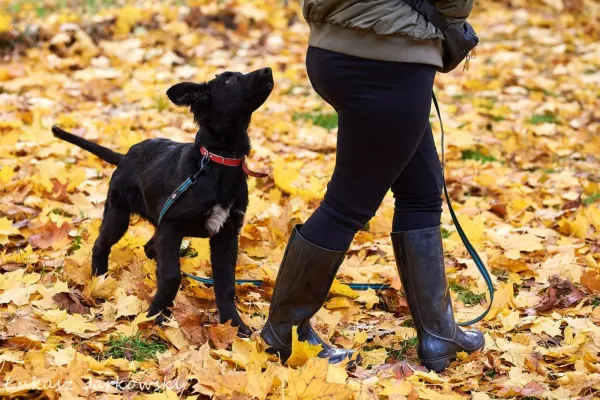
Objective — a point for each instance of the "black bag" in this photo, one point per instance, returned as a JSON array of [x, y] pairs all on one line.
[[459, 39]]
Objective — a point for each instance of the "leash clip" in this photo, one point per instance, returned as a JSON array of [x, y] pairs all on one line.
[[204, 162]]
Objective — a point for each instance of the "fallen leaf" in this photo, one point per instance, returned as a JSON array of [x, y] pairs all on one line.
[[51, 236], [591, 280], [71, 302], [222, 335], [301, 351], [369, 298], [310, 383], [193, 324]]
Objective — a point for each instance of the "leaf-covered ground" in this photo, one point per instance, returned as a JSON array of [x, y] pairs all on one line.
[[522, 151]]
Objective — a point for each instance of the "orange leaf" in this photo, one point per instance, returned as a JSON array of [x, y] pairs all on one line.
[[193, 324], [50, 235], [591, 280], [222, 335]]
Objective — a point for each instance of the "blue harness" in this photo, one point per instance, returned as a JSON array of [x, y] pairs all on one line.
[[356, 286]]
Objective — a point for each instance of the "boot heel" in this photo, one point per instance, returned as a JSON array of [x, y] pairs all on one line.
[[438, 365]]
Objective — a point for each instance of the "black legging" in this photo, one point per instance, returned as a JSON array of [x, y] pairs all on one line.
[[384, 142]]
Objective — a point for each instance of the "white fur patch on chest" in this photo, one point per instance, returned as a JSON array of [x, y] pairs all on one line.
[[217, 218]]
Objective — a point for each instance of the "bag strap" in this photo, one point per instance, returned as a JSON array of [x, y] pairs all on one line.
[[428, 10], [472, 252]]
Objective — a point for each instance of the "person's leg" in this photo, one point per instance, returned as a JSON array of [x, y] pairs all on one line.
[[383, 110], [418, 189], [417, 243]]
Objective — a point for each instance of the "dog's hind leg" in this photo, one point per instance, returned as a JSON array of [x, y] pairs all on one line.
[[166, 244], [223, 256], [114, 225]]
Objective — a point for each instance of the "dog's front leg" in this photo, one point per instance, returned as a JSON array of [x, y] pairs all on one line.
[[223, 257], [166, 244], [149, 249]]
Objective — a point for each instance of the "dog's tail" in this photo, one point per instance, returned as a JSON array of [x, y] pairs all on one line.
[[104, 153]]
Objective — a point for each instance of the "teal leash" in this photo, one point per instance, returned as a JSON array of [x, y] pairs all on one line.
[[257, 282], [360, 286], [472, 252], [188, 183]]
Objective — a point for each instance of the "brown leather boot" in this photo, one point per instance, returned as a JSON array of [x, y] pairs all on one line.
[[303, 282], [420, 260]]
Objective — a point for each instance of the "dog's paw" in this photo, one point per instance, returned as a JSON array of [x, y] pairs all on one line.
[[244, 331], [161, 319]]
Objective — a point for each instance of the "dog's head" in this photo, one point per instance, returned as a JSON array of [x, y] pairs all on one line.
[[229, 95]]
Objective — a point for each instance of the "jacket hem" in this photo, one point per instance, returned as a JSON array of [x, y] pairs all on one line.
[[365, 44]]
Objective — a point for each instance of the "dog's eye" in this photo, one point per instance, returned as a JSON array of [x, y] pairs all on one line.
[[231, 80]]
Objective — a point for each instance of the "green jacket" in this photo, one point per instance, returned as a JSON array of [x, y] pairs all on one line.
[[388, 30]]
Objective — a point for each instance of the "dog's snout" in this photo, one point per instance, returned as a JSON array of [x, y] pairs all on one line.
[[264, 71]]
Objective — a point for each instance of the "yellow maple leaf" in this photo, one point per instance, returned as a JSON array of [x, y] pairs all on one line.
[[103, 286], [474, 229], [127, 304], [374, 357], [175, 336], [244, 353], [340, 289], [368, 297], [75, 178], [301, 351], [310, 383], [578, 227], [6, 229], [546, 324], [76, 323], [18, 296], [395, 387], [360, 337], [166, 395], [431, 394], [337, 373], [430, 377], [5, 22], [260, 383], [502, 300], [6, 174], [337, 302]]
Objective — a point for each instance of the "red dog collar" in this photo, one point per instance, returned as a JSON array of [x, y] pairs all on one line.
[[231, 162]]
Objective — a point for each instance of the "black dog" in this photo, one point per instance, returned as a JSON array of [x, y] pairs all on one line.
[[214, 207]]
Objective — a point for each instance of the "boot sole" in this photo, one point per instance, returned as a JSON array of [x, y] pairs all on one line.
[[440, 364]]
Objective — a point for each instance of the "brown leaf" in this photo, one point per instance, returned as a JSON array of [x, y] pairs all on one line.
[[532, 362], [591, 280], [234, 396], [561, 293], [193, 323], [533, 389], [26, 324], [393, 302], [71, 302], [50, 235], [222, 335], [76, 273], [59, 190], [499, 209]]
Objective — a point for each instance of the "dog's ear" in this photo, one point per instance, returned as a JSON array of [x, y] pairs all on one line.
[[188, 94]]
